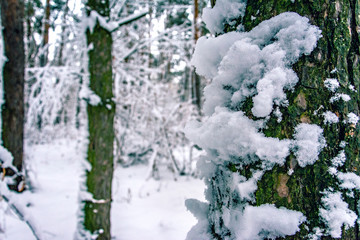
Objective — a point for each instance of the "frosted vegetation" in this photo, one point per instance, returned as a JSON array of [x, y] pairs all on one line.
[[152, 92]]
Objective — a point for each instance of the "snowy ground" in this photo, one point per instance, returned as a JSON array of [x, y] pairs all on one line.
[[142, 209]]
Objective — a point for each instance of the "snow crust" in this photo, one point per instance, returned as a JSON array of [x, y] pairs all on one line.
[[224, 12], [336, 213]]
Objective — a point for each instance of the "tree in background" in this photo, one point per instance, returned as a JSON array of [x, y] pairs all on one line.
[[282, 138], [12, 16], [101, 131]]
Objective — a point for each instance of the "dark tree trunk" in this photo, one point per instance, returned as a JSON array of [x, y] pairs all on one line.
[[101, 132], [12, 15], [44, 55], [195, 78]]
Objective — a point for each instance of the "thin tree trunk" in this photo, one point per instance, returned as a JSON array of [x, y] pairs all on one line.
[[101, 132], [196, 80], [12, 15], [44, 55], [63, 34]]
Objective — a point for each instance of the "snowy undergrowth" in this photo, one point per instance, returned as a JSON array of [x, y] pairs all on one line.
[[243, 65], [142, 208]]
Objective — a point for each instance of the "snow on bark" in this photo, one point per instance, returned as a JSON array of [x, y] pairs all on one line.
[[253, 65]]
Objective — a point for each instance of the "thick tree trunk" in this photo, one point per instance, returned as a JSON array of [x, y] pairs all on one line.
[[101, 132], [336, 56], [337, 49], [12, 15]]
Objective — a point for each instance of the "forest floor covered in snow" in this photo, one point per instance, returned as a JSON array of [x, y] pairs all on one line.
[[142, 208]]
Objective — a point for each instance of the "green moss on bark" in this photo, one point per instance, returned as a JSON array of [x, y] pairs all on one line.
[[337, 49], [101, 132]]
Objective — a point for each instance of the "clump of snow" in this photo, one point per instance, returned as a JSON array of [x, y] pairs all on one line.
[[352, 88], [352, 118], [330, 117], [334, 70], [309, 142], [339, 96], [6, 158], [90, 22], [343, 144], [247, 188], [339, 160], [349, 180], [278, 114], [332, 84], [224, 12], [88, 95], [336, 213], [255, 64], [233, 134], [266, 221]]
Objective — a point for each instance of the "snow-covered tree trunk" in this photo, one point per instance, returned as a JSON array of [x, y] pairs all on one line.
[[282, 136], [101, 113], [12, 16]]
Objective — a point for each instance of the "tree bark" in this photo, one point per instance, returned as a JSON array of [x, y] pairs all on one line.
[[44, 55], [337, 49], [101, 132], [195, 78], [336, 56], [12, 15]]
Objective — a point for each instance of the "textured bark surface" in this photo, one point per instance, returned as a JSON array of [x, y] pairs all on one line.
[[101, 133], [12, 15], [338, 48]]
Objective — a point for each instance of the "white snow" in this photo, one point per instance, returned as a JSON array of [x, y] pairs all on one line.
[[330, 117], [233, 134], [352, 118], [308, 143], [339, 96], [266, 221], [332, 84], [90, 22], [141, 208], [336, 213], [252, 64], [339, 160], [87, 94], [224, 12], [248, 187], [349, 180]]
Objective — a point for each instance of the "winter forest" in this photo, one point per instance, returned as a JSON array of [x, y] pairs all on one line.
[[179, 119]]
